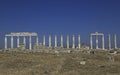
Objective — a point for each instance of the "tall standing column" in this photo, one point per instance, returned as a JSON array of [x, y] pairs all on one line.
[[37, 41], [73, 41], [18, 41], [115, 41], [96, 41], [55, 41], [30, 42], [91, 46], [24, 40], [109, 42], [103, 42], [79, 41], [49, 41], [5, 42], [11, 41], [68, 41], [44, 40], [61, 41]]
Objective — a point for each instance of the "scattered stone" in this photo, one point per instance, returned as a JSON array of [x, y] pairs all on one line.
[[82, 62]]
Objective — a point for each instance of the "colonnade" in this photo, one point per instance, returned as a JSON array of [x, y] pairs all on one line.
[[30, 35], [18, 35], [96, 34], [61, 41]]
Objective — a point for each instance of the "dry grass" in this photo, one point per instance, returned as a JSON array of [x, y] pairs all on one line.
[[63, 64]]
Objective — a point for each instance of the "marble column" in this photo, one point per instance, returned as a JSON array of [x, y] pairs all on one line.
[[24, 40], [11, 41], [18, 42], [109, 42], [96, 41], [73, 41], [91, 46], [44, 40], [37, 40], [30, 42], [55, 41], [61, 41], [103, 42], [49, 40], [79, 41], [5, 42], [115, 41], [68, 41]]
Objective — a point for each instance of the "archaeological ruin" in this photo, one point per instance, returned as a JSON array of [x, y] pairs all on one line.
[[64, 44]]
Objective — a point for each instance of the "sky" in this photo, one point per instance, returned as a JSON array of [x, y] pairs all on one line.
[[60, 17]]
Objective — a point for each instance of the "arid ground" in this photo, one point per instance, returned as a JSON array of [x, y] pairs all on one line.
[[58, 64]]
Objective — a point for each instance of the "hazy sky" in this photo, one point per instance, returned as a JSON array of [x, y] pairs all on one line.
[[60, 17]]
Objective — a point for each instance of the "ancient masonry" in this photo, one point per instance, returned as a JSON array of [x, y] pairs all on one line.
[[33, 34]]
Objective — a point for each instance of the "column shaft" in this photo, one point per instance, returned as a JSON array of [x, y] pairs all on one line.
[[11, 41], [109, 42], [5, 42], [24, 40], [49, 41], [37, 40], [103, 42], [30, 42], [91, 46], [79, 41], [115, 41], [55, 41], [68, 41], [18, 41], [61, 41], [96, 41], [44, 40], [73, 41]]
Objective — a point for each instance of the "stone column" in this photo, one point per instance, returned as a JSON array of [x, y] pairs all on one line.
[[5, 42], [103, 42], [37, 41], [44, 40], [30, 42], [96, 41], [49, 41], [61, 41], [73, 41], [55, 41], [109, 42], [115, 41], [18, 42], [91, 46], [68, 41], [79, 41], [24, 40], [11, 41]]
